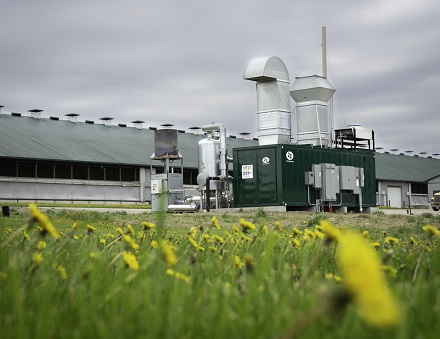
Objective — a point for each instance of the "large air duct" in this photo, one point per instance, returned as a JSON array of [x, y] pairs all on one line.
[[312, 94], [273, 101]]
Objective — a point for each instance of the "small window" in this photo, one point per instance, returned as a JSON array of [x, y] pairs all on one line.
[[80, 172], [63, 171], [112, 174], [26, 169], [8, 168], [96, 173], [45, 170], [128, 174]]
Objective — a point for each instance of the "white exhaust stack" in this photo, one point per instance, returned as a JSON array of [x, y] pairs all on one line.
[[273, 101], [312, 94]]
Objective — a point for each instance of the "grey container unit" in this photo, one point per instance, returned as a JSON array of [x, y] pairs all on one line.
[[286, 175]]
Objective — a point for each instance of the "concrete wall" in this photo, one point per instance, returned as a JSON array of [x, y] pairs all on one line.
[[13, 189], [385, 198]]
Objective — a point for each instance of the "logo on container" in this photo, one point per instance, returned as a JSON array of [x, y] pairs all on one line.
[[265, 161]]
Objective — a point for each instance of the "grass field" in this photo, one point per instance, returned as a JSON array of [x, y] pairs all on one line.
[[218, 275]]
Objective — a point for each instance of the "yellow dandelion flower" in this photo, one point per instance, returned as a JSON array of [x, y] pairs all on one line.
[[334, 277], [413, 241], [205, 237], [74, 226], [296, 242], [431, 230], [392, 271], [91, 229], [131, 230], [130, 242], [278, 226], [140, 235], [148, 225], [193, 232], [26, 236], [375, 244], [193, 243], [215, 223], [237, 261], [62, 272], [249, 261], [236, 229], [265, 230], [154, 244], [37, 258], [246, 238], [130, 260], [102, 241], [330, 231], [365, 234], [168, 253], [213, 249], [182, 276], [218, 239], [119, 230], [391, 241], [247, 225], [41, 245], [310, 233], [365, 282], [75, 237], [41, 218], [178, 275], [319, 234], [297, 231]]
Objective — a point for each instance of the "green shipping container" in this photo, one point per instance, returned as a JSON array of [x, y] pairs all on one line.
[[275, 175]]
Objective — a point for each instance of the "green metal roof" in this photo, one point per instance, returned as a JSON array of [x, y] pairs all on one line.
[[406, 168], [24, 137]]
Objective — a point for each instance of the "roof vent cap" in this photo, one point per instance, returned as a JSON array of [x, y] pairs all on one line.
[[138, 123], [36, 113], [72, 117], [106, 121]]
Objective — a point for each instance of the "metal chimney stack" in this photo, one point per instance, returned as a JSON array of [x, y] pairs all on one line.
[[312, 94], [273, 101]]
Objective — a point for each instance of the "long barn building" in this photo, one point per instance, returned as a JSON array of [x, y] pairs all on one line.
[[66, 160]]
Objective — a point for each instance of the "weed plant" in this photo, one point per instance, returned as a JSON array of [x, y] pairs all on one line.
[[243, 275]]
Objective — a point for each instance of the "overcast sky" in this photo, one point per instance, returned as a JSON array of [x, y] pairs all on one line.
[[182, 62]]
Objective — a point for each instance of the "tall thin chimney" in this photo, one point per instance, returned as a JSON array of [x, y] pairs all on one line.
[[324, 52]]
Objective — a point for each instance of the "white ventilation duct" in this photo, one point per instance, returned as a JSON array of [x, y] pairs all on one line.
[[312, 94], [273, 101]]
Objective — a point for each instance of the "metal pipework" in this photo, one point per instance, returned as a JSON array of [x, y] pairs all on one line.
[[223, 156]]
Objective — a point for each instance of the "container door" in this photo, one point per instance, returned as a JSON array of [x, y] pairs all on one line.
[[257, 181], [267, 175]]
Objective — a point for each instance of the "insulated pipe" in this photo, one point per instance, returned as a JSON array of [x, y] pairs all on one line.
[[223, 156]]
